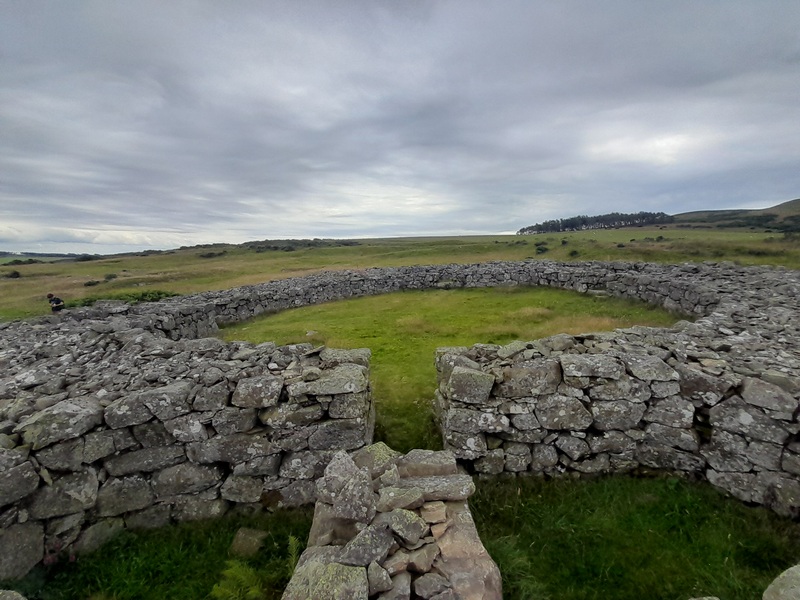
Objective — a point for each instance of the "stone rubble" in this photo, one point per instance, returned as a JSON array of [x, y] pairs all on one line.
[[377, 535]]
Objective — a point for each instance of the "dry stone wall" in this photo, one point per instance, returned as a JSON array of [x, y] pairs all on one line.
[[126, 416], [715, 399], [104, 425]]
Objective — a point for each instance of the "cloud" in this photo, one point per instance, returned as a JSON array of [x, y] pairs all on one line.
[[152, 124]]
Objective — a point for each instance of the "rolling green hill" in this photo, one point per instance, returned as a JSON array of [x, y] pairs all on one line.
[[782, 217]]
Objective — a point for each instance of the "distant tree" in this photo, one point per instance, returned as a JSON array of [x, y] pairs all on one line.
[[606, 221]]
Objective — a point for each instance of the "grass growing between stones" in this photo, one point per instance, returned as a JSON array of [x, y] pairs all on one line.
[[618, 538], [403, 331], [181, 562]]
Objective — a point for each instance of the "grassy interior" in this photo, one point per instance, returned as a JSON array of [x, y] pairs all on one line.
[[403, 331]]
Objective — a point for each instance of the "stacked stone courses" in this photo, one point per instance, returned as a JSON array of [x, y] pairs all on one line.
[[124, 415]]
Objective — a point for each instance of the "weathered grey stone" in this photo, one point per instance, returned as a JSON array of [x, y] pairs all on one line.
[[65, 456], [474, 421], [390, 498], [685, 439], [785, 587], [372, 544], [21, 548], [534, 380], [17, 482], [426, 463], [430, 584], [127, 411], [420, 560], [401, 588], [247, 542], [328, 529], [614, 442], [349, 406], [591, 365], [702, 387], [212, 398], [441, 487], [232, 420], [470, 386], [376, 458], [118, 496], [169, 401], [491, 464], [619, 415], [187, 428], [100, 444], [526, 422], [145, 460], [98, 534], [735, 416], [379, 579], [234, 449], [68, 494], [464, 561], [65, 420], [242, 489], [517, 457], [332, 357], [292, 415], [193, 508], [185, 478], [665, 457], [649, 368], [356, 501], [257, 392], [764, 455], [672, 412], [726, 452], [305, 464], [613, 389], [327, 581], [562, 412], [347, 434], [346, 378], [152, 434], [543, 457], [152, 517], [574, 448], [767, 395]]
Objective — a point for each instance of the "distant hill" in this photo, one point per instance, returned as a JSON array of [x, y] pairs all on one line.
[[783, 217]]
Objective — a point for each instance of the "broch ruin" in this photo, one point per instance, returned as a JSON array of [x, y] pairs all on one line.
[[124, 416]]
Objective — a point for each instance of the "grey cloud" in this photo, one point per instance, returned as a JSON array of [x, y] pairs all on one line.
[[196, 121]]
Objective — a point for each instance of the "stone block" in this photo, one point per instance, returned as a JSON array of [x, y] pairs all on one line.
[[65, 420], [21, 549], [470, 386], [257, 392]]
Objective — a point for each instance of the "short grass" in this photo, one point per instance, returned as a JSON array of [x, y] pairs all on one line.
[[617, 538], [181, 562], [404, 329], [185, 270]]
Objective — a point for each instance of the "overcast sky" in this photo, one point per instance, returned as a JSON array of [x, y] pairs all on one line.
[[139, 124]]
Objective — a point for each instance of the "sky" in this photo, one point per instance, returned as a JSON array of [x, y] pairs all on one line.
[[130, 125]]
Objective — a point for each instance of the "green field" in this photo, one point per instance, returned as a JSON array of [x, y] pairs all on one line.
[[186, 270]]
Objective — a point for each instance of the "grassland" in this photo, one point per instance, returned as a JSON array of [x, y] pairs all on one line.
[[185, 270], [613, 538]]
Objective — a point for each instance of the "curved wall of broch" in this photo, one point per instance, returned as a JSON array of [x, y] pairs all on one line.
[[128, 416]]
